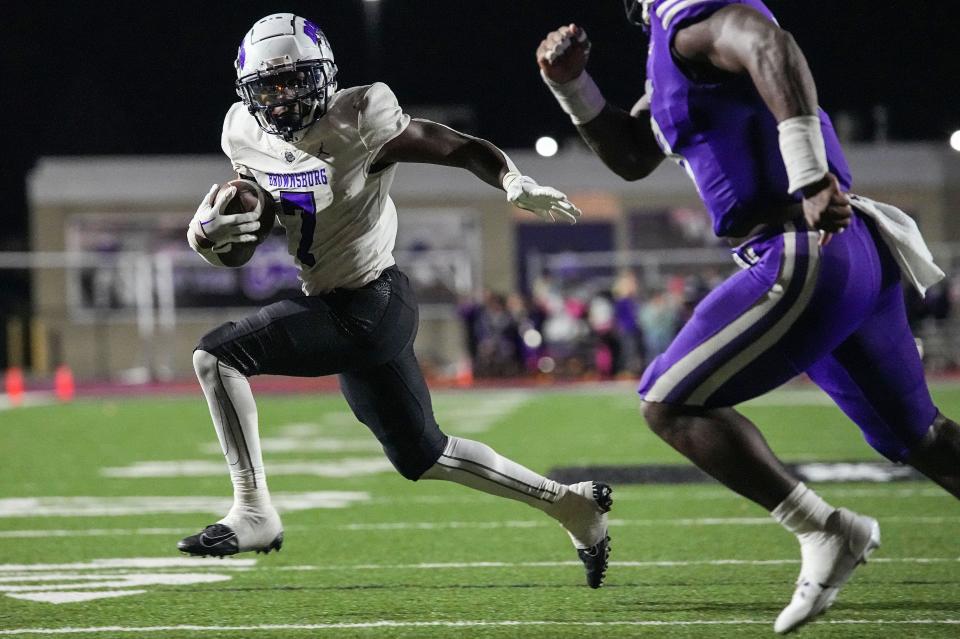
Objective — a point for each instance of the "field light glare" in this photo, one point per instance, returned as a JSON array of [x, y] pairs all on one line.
[[955, 141], [546, 146]]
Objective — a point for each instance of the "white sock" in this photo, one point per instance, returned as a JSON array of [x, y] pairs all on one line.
[[802, 511], [478, 466], [234, 414]]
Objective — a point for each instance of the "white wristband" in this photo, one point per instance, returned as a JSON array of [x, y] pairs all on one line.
[[579, 98], [509, 177], [804, 153]]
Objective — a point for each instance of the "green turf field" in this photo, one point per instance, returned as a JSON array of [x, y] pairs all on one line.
[[93, 497]]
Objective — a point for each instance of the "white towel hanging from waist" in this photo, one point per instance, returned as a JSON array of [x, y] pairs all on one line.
[[903, 238]]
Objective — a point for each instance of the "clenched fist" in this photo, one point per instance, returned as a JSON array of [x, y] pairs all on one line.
[[562, 55]]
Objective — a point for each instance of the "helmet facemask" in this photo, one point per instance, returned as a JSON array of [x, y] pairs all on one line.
[[638, 12], [289, 97]]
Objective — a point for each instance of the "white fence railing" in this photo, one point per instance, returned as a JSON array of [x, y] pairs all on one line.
[[155, 293]]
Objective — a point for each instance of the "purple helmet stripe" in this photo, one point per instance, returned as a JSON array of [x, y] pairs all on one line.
[[311, 30]]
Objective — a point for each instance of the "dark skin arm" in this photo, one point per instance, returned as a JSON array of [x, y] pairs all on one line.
[[431, 143], [624, 141], [738, 39]]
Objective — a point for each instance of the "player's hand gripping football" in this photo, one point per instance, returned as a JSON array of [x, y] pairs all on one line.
[[544, 201], [827, 208], [214, 229], [563, 54]]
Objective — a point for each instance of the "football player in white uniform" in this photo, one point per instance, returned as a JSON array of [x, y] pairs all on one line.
[[328, 156]]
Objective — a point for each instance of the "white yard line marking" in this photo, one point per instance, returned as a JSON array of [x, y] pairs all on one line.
[[459, 624], [101, 506], [109, 578], [41, 572], [564, 564], [345, 467], [337, 432], [689, 522], [312, 445], [616, 564], [471, 414], [451, 525], [73, 597], [436, 525], [637, 492], [664, 492], [151, 563], [129, 580], [32, 398], [91, 532]]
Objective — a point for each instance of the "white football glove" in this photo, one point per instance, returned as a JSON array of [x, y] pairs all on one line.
[[211, 228], [544, 201]]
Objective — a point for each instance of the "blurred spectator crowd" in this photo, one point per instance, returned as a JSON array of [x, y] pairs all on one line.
[[577, 331]]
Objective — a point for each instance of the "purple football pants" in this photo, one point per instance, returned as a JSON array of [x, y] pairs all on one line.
[[835, 313]]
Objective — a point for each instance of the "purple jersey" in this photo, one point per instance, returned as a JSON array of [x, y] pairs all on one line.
[[719, 129]]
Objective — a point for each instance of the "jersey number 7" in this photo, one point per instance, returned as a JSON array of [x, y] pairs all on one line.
[[302, 204]]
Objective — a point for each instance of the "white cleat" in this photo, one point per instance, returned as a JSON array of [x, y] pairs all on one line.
[[829, 559]]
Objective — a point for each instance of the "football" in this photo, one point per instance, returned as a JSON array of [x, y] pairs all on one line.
[[248, 195]]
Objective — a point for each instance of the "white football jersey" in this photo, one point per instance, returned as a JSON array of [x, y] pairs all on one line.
[[340, 222]]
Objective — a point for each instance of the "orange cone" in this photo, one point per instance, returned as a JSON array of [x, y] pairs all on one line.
[[464, 376], [13, 385], [63, 385]]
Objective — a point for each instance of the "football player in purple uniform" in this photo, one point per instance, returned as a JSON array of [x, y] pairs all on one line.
[[730, 98]]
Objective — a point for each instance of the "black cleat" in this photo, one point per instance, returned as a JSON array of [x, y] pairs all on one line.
[[219, 540], [216, 540], [596, 558]]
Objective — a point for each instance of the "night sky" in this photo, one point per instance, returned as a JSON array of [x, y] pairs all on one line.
[[148, 78]]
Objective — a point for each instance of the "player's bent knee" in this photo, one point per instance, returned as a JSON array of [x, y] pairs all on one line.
[[656, 415], [412, 467], [670, 422], [205, 364], [940, 445], [413, 472], [413, 460]]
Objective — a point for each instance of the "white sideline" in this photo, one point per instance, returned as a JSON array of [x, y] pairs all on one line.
[[90, 506], [152, 563], [539, 523], [119, 566], [91, 532], [456, 624], [452, 525], [615, 564], [29, 399]]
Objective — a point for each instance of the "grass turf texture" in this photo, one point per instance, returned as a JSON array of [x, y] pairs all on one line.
[[59, 450]]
